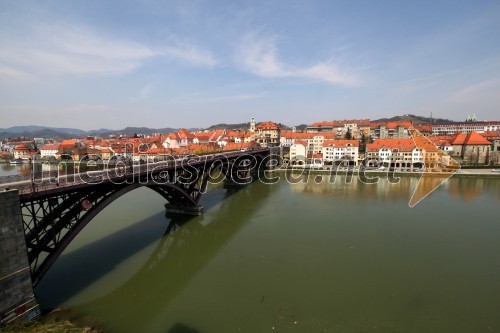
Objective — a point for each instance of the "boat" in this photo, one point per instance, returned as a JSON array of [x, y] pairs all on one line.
[[16, 161]]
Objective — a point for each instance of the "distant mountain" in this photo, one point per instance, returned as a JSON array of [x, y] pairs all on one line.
[[130, 131], [34, 128], [238, 126], [99, 131], [34, 131], [415, 119], [301, 127], [43, 133], [65, 133]]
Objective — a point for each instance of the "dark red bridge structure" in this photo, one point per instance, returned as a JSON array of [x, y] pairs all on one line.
[[56, 208]]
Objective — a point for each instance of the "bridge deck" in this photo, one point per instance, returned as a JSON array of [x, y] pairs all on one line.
[[46, 183]]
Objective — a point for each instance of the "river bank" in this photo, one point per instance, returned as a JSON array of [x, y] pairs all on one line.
[[58, 320], [483, 173]]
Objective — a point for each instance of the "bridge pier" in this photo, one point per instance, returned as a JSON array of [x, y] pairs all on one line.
[[184, 209], [17, 301]]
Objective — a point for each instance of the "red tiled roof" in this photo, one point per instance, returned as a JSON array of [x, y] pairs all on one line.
[[474, 138], [185, 134], [423, 127], [22, 146], [236, 146], [68, 143], [267, 126], [341, 123], [406, 144], [173, 136], [341, 143], [50, 147], [391, 124]]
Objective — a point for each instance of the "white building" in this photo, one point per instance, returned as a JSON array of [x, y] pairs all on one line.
[[337, 151], [298, 153], [49, 151]]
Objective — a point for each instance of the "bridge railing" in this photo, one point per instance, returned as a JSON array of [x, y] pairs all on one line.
[[47, 180]]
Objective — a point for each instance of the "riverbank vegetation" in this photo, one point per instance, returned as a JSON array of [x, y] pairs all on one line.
[[53, 322]]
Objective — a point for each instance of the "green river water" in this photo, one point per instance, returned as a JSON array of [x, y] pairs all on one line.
[[306, 257]]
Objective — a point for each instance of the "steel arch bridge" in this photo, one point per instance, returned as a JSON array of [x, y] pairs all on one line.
[[54, 212]]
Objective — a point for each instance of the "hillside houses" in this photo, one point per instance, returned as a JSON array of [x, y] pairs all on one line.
[[328, 142], [151, 148]]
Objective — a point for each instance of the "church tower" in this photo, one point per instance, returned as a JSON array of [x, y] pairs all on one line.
[[252, 125]]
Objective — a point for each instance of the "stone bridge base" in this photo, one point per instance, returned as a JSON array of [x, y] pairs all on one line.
[[184, 210], [17, 301]]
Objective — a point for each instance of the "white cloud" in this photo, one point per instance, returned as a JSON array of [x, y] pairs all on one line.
[[9, 72], [190, 54], [68, 50], [259, 56], [193, 98]]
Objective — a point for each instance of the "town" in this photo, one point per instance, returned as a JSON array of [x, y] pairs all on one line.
[[358, 142]]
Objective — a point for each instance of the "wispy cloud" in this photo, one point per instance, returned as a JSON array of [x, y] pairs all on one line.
[[260, 56], [423, 82], [69, 50], [12, 73], [476, 91], [191, 98], [190, 54], [144, 92]]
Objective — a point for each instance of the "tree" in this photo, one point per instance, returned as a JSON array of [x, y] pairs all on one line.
[[348, 134], [362, 142]]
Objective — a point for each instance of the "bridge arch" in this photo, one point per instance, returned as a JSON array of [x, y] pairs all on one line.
[[54, 240], [54, 215]]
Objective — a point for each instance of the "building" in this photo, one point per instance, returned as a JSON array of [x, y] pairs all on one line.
[[49, 151], [186, 138], [465, 127], [391, 129], [398, 153], [472, 148], [340, 128], [22, 152], [267, 134], [298, 153], [315, 144], [337, 151]]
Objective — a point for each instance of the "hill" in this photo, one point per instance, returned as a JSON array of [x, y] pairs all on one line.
[[242, 126], [415, 119], [66, 133]]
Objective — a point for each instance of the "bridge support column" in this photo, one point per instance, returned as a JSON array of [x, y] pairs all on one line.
[[184, 209], [17, 301], [231, 184]]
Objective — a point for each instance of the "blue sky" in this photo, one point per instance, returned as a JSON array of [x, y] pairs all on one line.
[[110, 64]]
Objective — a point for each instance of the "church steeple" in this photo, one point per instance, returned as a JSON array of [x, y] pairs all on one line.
[[252, 125]]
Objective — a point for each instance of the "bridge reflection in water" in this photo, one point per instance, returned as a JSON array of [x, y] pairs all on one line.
[[188, 244]]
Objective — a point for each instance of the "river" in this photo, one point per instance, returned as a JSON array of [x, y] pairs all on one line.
[[306, 257]]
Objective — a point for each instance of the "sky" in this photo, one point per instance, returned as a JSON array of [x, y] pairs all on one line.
[[110, 64]]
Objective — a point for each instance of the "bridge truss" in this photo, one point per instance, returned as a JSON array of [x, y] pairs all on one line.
[[54, 211]]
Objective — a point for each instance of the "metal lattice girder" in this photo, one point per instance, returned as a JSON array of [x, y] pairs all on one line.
[[53, 215]]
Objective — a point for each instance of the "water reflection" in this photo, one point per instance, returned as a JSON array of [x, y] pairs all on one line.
[[465, 188], [355, 188], [10, 170], [178, 257]]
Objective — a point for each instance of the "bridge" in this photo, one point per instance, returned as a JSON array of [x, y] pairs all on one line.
[[54, 208]]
